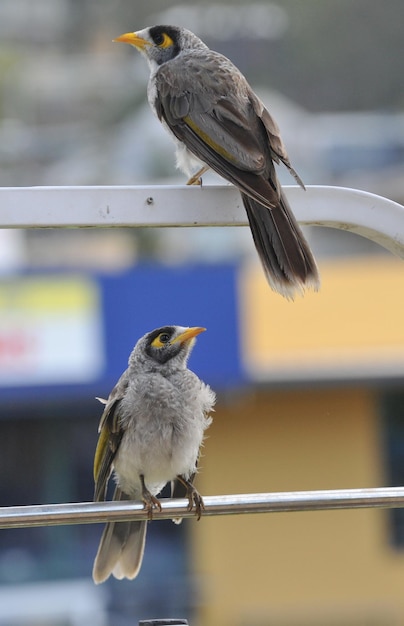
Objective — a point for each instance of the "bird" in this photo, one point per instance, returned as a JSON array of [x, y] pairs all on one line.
[[219, 123], [150, 434]]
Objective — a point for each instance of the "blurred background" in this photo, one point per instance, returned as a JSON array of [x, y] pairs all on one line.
[[310, 394]]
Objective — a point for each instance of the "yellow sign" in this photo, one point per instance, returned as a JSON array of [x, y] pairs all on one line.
[[50, 330]]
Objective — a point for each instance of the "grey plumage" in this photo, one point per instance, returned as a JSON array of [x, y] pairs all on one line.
[[151, 432], [217, 120]]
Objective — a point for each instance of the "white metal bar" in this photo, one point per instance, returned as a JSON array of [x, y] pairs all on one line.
[[93, 512], [366, 214]]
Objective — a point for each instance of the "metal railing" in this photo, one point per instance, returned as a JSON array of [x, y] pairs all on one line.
[[294, 501], [366, 214]]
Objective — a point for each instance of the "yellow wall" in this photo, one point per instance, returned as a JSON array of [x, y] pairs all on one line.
[[352, 326], [296, 568]]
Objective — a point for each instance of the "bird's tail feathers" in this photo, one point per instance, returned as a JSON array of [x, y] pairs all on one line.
[[286, 257], [121, 549]]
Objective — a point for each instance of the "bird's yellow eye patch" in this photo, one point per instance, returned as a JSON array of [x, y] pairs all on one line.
[[166, 41], [161, 340]]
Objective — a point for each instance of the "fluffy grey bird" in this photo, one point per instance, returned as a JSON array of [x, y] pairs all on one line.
[[150, 434], [218, 122]]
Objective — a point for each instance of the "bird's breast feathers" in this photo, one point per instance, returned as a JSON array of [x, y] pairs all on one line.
[[164, 423]]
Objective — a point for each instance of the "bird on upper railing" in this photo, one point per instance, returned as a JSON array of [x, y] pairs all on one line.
[[218, 122]]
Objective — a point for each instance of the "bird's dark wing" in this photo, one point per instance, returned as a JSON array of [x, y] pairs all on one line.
[[278, 150], [210, 107], [109, 439]]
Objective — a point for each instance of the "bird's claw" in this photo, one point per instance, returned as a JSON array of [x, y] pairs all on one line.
[[150, 503], [196, 179], [195, 500]]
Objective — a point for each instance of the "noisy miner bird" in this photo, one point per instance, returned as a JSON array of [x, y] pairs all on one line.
[[218, 122], [150, 434]]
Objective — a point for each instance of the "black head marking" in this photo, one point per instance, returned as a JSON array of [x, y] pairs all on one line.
[[166, 330], [158, 345], [167, 37]]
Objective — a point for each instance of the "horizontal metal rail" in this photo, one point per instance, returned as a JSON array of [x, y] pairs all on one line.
[[366, 214], [97, 512]]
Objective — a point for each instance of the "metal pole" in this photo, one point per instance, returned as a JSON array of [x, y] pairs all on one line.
[[97, 512], [162, 622], [366, 214]]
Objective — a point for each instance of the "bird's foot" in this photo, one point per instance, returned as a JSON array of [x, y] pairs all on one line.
[[196, 179], [195, 500], [150, 501]]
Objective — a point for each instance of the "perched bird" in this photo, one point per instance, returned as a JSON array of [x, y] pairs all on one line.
[[150, 434], [218, 122]]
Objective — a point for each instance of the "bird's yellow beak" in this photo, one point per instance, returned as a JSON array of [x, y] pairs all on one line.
[[133, 39], [188, 334]]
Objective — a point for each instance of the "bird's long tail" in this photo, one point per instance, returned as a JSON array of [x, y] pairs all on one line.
[[121, 548], [286, 257]]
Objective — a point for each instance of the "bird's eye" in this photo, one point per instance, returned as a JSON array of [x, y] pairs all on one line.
[[158, 39], [161, 340], [162, 40]]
